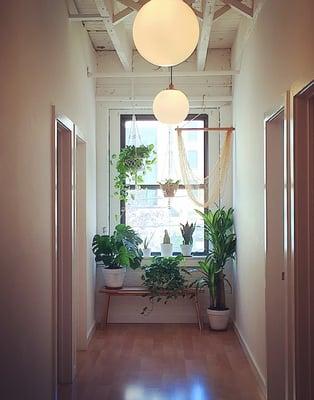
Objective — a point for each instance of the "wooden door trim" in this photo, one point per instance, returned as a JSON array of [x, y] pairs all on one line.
[[69, 125], [303, 251]]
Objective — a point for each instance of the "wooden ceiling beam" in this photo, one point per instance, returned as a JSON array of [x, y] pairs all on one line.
[[117, 33], [221, 11], [121, 15], [132, 4], [85, 17], [208, 18], [240, 7]]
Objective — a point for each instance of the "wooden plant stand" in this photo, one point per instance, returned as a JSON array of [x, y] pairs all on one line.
[[141, 291]]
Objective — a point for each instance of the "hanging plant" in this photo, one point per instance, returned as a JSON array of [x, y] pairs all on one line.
[[169, 187], [132, 163]]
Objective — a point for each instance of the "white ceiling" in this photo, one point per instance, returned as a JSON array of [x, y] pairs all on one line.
[[222, 35]]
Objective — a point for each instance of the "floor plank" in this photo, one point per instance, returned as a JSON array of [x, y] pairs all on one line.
[[162, 362]]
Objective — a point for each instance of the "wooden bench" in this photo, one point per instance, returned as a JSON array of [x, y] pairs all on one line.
[[141, 291]]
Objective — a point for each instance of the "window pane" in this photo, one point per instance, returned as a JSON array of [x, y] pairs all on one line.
[[147, 210], [150, 213]]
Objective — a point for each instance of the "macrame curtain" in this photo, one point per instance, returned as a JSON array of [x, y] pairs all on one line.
[[215, 181]]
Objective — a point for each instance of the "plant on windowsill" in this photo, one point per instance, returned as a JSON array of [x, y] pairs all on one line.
[[117, 252], [166, 246], [219, 230], [169, 187], [132, 163], [165, 280], [187, 231], [147, 250]]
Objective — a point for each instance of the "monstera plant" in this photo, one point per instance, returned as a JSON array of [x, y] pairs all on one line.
[[116, 252]]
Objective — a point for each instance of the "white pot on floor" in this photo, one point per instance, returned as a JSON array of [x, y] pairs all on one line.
[[166, 249], [114, 278], [218, 320], [186, 250], [147, 252]]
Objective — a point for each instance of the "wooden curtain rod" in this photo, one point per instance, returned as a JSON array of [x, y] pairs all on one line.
[[206, 129]]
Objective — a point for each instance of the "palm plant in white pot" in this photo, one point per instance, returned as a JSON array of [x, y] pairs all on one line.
[[219, 230]]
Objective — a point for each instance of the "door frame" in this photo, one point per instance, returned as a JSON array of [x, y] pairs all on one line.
[[58, 117], [289, 339], [271, 341], [302, 151]]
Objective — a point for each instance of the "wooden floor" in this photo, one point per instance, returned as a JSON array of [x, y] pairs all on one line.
[[162, 362]]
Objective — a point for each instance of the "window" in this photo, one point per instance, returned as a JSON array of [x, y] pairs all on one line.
[[148, 211]]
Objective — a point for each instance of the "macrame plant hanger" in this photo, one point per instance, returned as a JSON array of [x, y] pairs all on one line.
[[134, 138]]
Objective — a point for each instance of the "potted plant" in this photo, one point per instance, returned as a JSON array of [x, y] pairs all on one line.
[[169, 187], [166, 246], [219, 230], [165, 279], [187, 231], [147, 250], [116, 252], [132, 163]]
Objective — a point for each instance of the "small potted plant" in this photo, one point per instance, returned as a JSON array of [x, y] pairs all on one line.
[[169, 187], [219, 230], [117, 252], [187, 231], [166, 246], [147, 251]]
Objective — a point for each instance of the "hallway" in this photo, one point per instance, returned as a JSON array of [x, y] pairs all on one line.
[[163, 362]]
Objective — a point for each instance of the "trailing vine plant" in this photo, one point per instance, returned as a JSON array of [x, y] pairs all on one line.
[[165, 280], [132, 163]]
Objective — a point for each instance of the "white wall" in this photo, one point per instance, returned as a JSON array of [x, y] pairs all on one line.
[[278, 53], [43, 62]]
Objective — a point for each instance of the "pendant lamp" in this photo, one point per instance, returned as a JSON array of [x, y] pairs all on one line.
[[171, 106], [166, 32]]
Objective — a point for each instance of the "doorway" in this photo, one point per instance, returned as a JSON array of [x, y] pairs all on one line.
[[65, 230], [275, 255], [303, 195]]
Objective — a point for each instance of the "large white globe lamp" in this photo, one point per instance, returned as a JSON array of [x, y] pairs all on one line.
[[166, 32], [171, 106]]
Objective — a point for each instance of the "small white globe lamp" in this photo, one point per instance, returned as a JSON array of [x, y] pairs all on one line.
[[166, 32], [171, 106]]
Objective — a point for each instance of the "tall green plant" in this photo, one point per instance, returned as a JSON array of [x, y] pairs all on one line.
[[118, 250], [219, 230]]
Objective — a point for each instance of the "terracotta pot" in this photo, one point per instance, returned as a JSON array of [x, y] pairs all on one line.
[[169, 189]]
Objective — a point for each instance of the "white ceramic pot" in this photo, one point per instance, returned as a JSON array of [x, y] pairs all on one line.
[[218, 320], [186, 250], [114, 278], [166, 249], [147, 252]]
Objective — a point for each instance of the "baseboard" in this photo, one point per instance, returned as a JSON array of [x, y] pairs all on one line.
[[259, 376]]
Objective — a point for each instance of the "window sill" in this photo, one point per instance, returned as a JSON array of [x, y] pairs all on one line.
[[187, 262]]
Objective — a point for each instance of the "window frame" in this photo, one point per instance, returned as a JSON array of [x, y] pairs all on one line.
[[150, 117]]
